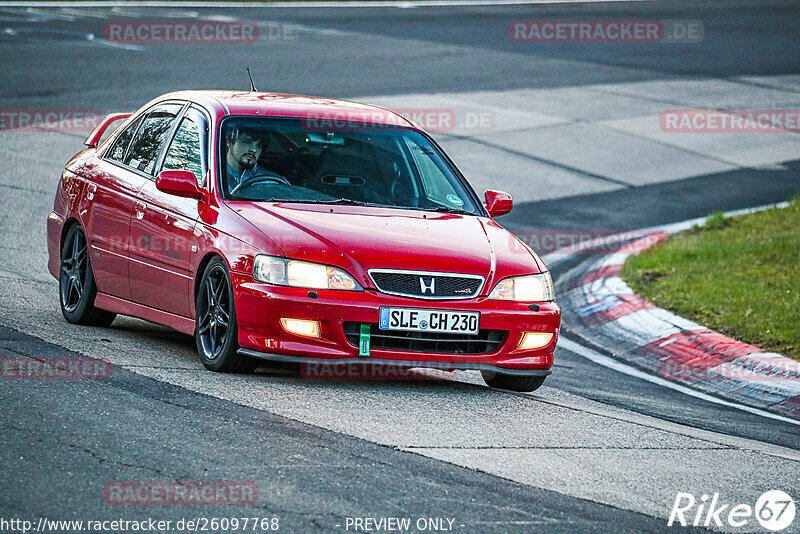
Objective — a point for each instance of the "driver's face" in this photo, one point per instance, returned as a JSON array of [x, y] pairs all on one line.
[[245, 150]]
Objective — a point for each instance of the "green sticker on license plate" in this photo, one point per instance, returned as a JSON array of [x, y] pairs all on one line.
[[363, 340]]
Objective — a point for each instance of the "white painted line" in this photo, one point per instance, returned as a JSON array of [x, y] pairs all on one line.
[[80, 36], [354, 3], [623, 368], [93, 39]]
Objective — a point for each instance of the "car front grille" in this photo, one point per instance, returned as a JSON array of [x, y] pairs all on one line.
[[426, 285], [484, 342]]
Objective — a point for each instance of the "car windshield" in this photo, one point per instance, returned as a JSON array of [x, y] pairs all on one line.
[[310, 160]]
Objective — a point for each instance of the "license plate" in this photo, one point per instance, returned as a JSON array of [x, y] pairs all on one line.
[[417, 320]]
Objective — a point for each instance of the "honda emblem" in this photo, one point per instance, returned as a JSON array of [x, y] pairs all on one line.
[[423, 287]]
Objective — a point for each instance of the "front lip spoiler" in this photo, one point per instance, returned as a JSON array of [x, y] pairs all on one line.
[[407, 363]]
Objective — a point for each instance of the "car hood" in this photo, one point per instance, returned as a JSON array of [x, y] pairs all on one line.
[[361, 238]]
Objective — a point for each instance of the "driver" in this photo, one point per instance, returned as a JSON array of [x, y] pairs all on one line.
[[243, 150]]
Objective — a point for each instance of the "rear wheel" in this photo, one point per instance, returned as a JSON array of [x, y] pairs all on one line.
[[76, 286], [216, 331], [526, 383]]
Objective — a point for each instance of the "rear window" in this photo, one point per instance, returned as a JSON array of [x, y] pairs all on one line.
[[145, 147], [120, 147]]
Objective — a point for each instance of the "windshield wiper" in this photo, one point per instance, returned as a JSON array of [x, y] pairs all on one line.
[[351, 202], [447, 209], [341, 201]]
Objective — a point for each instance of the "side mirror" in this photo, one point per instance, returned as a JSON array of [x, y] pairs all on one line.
[[498, 203], [179, 183]]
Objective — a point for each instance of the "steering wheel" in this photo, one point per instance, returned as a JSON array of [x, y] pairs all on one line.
[[256, 180]]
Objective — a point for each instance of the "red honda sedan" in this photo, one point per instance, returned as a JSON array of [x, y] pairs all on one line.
[[300, 229]]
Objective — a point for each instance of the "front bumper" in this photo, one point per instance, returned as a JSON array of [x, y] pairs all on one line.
[[259, 308]]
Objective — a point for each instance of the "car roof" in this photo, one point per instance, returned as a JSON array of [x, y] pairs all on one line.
[[288, 105]]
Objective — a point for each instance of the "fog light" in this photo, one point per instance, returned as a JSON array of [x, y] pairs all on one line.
[[301, 327], [534, 340]]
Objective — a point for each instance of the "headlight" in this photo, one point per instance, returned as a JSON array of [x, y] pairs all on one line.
[[528, 288], [296, 273]]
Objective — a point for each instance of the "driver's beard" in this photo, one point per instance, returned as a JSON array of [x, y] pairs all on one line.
[[246, 166]]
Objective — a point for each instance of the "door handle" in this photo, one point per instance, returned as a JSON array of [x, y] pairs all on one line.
[[90, 191], [141, 207]]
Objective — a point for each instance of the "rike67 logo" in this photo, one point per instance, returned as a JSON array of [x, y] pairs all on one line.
[[774, 510]]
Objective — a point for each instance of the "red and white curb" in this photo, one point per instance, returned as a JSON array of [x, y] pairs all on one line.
[[599, 306]]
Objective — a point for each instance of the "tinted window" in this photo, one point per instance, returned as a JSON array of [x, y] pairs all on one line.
[[186, 151], [120, 146], [146, 145]]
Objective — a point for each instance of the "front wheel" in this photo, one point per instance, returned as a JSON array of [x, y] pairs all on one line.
[[216, 332], [524, 383], [76, 286]]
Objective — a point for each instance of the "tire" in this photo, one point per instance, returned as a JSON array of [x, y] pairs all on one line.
[[525, 383], [216, 332], [76, 286]]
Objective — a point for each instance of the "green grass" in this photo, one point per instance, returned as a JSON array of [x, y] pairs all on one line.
[[739, 276]]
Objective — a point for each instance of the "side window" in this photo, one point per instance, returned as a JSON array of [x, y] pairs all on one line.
[[146, 145], [120, 146], [186, 153]]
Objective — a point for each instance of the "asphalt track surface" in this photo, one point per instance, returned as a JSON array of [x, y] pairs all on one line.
[[594, 450]]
